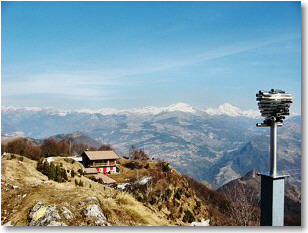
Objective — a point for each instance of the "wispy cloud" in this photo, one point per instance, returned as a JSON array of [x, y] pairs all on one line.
[[66, 85], [99, 80]]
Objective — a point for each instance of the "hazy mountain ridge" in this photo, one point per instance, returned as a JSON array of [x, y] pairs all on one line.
[[250, 185], [216, 147], [225, 108]]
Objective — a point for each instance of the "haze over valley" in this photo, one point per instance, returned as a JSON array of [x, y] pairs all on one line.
[[214, 145]]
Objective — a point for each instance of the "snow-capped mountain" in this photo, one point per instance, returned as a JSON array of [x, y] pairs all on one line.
[[181, 107], [46, 110], [224, 109], [193, 141], [150, 110], [230, 110]]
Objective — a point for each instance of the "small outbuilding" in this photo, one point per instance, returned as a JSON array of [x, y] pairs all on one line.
[[105, 180]]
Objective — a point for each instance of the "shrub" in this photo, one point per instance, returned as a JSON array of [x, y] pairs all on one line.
[[167, 195], [80, 171], [72, 173], [105, 147], [152, 200], [21, 158], [147, 166], [138, 154], [80, 183], [178, 193], [76, 183], [188, 217], [164, 166], [68, 160], [198, 204], [208, 195], [133, 165], [64, 175]]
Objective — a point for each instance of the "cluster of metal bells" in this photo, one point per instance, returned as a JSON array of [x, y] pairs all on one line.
[[274, 105]]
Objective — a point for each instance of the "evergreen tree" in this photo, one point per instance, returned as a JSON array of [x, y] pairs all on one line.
[[52, 171], [58, 177], [72, 173], [39, 165], [64, 175], [80, 183]]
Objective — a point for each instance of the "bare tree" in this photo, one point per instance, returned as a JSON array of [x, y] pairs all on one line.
[[106, 147], [138, 154], [242, 208]]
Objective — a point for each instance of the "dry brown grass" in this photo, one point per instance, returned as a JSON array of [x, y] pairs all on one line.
[[119, 208], [127, 173]]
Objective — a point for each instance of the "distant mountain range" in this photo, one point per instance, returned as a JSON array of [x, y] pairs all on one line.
[[215, 144], [225, 108]]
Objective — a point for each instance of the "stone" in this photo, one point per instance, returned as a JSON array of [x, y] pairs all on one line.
[[94, 211], [35, 185], [66, 213], [81, 203], [55, 223], [202, 223], [43, 215], [8, 224]]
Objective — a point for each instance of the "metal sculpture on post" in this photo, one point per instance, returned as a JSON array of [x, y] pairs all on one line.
[[274, 106]]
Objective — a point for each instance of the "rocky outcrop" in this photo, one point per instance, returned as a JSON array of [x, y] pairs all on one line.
[[95, 212], [44, 215]]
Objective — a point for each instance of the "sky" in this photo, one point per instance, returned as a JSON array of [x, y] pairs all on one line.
[[74, 55]]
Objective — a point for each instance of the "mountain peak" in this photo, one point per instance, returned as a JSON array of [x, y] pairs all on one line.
[[181, 107], [230, 110]]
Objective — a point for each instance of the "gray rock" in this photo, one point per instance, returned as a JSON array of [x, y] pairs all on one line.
[[81, 203], [94, 211], [58, 224], [202, 223], [66, 213], [35, 185], [8, 224], [43, 215]]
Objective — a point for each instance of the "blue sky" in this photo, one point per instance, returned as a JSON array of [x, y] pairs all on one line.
[[74, 55]]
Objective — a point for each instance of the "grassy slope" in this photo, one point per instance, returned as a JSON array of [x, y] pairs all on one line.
[[174, 208], [119, 207]]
